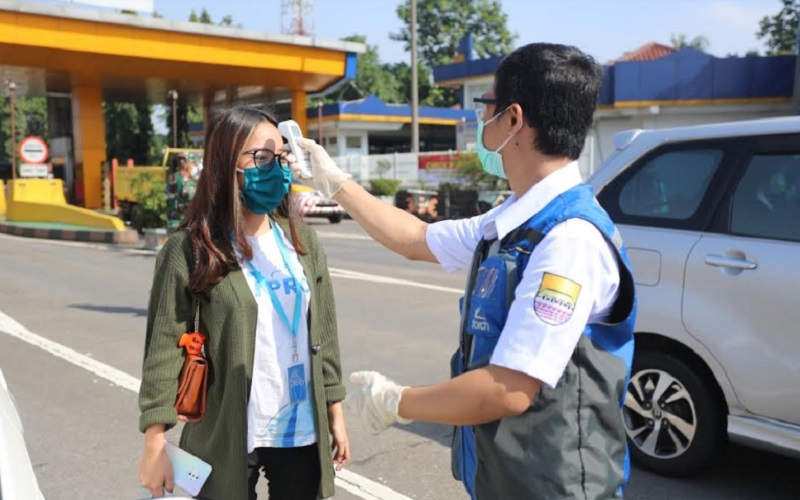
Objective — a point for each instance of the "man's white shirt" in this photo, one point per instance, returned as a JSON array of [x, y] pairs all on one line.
[[537, 339]]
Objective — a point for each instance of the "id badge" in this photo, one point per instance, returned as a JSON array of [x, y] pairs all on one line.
[[297, 384]]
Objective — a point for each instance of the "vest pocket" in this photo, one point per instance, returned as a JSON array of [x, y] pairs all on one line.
[[489, 302]]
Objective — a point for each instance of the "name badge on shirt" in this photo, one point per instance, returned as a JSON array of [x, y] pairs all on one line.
[[297, 384]]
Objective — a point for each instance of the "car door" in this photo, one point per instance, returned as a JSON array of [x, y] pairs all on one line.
[[742, 285], [662, 204]]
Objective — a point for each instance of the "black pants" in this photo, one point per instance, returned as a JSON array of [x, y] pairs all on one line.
[[292, 473]]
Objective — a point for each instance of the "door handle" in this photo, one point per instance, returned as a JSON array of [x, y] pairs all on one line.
[[731, 263]]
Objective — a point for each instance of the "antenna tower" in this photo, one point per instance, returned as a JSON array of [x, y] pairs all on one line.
[[297, 17]]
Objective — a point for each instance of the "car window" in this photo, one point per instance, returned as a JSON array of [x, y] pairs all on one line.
[[671, 185], [766, 202]]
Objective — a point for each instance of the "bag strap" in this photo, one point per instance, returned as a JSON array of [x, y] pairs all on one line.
[[196, 299], [197, 315]]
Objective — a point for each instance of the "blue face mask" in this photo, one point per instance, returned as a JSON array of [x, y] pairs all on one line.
[[265, 187], [492, 161]]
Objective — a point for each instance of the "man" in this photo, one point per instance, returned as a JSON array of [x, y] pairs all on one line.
[[547, 320]]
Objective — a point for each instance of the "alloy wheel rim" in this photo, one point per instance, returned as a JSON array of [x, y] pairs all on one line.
[[659, 414]]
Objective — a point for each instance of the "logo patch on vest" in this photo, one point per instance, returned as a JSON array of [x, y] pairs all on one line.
[[555, 301]]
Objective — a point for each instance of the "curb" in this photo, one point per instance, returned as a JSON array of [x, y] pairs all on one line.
[[127, 237]]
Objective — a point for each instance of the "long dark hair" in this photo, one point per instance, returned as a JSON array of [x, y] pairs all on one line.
[[216, 213]]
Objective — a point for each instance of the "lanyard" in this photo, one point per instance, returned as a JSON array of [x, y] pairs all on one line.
[[294, 326]]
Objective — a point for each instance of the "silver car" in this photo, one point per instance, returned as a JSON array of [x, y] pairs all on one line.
[[17, 480], [711, 219]]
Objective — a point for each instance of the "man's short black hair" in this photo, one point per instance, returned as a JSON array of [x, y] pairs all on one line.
[[557, 87]]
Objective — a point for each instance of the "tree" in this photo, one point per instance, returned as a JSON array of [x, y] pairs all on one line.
[[30, 118], [681, 41], [205, 18], [442, 23], [372, 77], [184, 111], [129, 132], [429, 94], [780, 31]]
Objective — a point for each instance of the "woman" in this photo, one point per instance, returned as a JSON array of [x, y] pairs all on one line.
[[181, 187], [245, 255]]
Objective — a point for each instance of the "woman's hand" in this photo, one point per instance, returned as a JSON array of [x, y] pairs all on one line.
[[340, 445], [155, 469]]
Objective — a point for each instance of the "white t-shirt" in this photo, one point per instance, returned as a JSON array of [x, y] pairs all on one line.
[[574, 258], [272, 420]]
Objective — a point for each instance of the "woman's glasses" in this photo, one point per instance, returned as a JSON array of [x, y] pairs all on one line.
[[266, 159]]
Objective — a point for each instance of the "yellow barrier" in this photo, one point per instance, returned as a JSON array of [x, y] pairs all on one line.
[[2, 198], [42, 200]]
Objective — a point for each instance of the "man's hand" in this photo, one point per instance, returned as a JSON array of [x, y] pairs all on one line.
[[376, 400], [327, 177]]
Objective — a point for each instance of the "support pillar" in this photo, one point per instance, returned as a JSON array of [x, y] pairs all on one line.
[[299, 113], [89, 139]]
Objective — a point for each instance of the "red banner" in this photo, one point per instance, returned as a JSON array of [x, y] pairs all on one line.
[[438, 161]]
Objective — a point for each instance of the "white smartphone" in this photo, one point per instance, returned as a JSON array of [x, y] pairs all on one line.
[[291, 131], [189, 472]]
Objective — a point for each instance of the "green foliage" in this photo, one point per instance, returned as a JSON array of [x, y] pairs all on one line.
[[391, 82], [429, 94], [780, 30], [205, 18], [384, 187], [30, 118], [442, 23], [440, 26], [372, 77], [681, 41], [183, 111], [474, 176], [383, 166], [449, 186], [129, 131], [151, 210]]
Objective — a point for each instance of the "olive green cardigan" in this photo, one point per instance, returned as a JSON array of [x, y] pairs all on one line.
[[229, 320]]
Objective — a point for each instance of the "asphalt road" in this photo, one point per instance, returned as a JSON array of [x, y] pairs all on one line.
[[394, 316]]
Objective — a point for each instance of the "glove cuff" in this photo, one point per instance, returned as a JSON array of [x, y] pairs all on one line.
[[401, 420]]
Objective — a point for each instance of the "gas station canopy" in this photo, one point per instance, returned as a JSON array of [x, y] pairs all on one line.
[[94, 56]]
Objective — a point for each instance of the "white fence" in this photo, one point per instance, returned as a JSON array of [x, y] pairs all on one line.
[[406, 166]]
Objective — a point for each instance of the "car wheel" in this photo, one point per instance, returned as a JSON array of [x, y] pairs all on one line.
[[674, 422], [335, 219]]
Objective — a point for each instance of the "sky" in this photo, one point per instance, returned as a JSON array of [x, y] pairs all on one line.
[[604, 28]]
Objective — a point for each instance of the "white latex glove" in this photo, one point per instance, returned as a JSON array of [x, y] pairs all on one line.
[[376, 400], [326, 176]]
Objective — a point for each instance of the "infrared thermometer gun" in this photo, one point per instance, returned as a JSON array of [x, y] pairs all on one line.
[[291, 131]]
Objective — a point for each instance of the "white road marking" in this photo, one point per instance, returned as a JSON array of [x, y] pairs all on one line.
[[343, 236], [385, 280], [11, 327], [79, 244], [366, 488], [354, 483]]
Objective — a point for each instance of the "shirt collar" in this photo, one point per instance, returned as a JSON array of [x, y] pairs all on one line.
[[514, 212]]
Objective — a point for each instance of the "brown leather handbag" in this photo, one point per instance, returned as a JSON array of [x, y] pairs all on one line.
[[193, 382]]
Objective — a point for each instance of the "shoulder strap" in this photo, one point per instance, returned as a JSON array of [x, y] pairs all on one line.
[[196, 299]]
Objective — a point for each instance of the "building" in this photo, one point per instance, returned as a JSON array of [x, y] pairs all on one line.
[[370, 126], [654, 86], [80, 58]]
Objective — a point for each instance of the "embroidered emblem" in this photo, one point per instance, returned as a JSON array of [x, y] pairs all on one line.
[[555, 301]]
